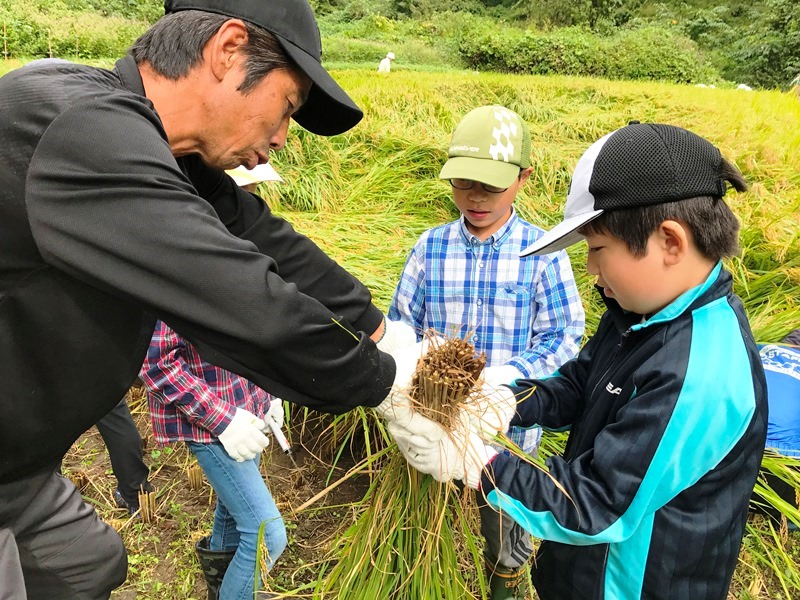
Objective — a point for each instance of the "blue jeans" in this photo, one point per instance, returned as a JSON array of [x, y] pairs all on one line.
[[243, 504]]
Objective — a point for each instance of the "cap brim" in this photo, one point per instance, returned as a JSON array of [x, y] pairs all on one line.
[[265, 172], [491, 172], [328, 110], [562, 235]]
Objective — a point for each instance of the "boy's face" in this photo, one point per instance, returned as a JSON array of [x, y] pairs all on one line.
[[637, 284], [486, 212]]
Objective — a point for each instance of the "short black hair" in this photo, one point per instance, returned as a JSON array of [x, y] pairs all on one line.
[[714, 227], [174, 45]]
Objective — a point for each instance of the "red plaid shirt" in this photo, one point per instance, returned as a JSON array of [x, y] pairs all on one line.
[[190, 399]]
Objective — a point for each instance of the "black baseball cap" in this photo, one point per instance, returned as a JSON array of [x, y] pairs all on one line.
[[638, 165], [328, 109]]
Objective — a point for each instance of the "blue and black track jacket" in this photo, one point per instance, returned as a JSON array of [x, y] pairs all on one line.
[[668, 421]]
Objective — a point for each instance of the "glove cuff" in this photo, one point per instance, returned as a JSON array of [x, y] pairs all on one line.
[[474, 469], [396, 335], [383, 334], [392, 410]]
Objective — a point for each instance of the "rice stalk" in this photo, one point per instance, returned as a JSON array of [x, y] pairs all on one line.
[[147, 506], [414, 539], [194, 474]]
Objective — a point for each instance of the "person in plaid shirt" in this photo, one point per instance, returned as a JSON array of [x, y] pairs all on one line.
[[466, 278], [222, 417]]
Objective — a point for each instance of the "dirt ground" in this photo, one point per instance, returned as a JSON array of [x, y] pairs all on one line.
[[161, 552]]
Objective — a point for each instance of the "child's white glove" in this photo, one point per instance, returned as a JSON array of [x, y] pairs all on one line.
[[396, 335], [457, 454], [491, 408], [275, 413], [243, 438], [501, 375]]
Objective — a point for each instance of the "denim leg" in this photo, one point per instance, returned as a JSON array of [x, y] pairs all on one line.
[[224, 535], [243, 500]]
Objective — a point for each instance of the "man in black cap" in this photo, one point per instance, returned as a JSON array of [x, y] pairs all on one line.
[[114, 211]]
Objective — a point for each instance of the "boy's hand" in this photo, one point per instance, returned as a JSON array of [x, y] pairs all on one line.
[[457, 454], [501, 375], [491, 408], [243, 438], [396, 335]]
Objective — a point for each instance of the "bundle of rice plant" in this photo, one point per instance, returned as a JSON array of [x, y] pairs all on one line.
[[415, 537], [444, 378]]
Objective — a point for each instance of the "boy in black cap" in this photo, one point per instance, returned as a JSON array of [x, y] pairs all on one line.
[[115, 211], [666, 402]]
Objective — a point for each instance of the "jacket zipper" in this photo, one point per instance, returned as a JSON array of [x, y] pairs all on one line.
[[610, 362]]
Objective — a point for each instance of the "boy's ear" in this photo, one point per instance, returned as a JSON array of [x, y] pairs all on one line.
[[524, 174], [674, 239]]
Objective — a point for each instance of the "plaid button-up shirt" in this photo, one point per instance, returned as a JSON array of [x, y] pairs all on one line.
[[190, 399], [520, 311]]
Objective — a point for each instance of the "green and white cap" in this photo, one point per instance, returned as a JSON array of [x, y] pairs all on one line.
[[491, 144]]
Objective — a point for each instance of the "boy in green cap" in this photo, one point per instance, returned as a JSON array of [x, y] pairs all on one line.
[[466, 278]]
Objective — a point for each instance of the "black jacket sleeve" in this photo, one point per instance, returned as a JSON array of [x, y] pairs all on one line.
[[248, 217], [109, 205], [555, 401]]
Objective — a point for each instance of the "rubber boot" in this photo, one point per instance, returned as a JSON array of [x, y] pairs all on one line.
[[505, 583], [214, 563]]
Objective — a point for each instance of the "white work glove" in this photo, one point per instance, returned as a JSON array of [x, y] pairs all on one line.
[[491, 408], [501, 375], [275, 413], [457, 454], [396, 335], [243, 438], [397, 405], [416, 425]]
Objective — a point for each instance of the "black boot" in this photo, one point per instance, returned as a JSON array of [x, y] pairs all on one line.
[[214, 563], [505, 583]]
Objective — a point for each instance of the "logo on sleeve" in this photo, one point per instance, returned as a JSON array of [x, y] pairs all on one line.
[[613, 390]]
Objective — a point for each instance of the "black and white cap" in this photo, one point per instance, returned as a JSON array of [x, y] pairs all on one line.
[[638, 165], [328, 109]]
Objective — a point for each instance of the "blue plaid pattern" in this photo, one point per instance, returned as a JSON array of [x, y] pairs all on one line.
[[520, 311]]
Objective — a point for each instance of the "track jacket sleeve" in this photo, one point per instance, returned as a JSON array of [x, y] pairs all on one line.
[[556, 400], [110, 206], [671, 432]]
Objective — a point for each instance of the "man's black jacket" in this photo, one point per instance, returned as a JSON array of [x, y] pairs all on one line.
[[102, 230]]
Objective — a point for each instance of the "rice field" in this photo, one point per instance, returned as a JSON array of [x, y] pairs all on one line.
[[365, 197], [378, 182]]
